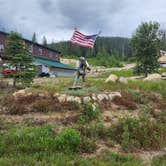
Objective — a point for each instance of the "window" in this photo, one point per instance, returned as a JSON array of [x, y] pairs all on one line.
[[50, 55], [40, 51], [1, 47], [30, 48]]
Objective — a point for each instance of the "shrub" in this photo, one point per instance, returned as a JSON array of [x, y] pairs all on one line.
[[107, 61], [121, 158], [90, 112], [159, 161], [21, 139], [135, 134], [87, 145], [68, 141]]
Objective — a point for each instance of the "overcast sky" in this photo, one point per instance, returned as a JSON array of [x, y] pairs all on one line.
[[56, 19]]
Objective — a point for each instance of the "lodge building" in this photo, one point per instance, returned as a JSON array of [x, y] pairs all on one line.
[[48, 59]]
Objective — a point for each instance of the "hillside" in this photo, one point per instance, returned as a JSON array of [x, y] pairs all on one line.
[[107, 123], [105, 46]]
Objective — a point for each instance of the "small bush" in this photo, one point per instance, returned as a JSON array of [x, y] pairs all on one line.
[[106, 60], [90, 112], [87, 145], [27, 140], [68, 141], [159, 161], [135, 134]]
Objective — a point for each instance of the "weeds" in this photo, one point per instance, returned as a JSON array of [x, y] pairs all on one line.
[[34, 103], [126, 100], [87, 145], [159, 161], [135, 134], [68, 141]]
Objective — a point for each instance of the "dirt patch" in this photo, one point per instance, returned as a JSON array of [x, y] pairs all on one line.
[[147, 156], [126, 100], [33, 119]]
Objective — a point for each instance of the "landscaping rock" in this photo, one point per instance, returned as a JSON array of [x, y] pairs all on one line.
[[70, 98], [112, 95], [112, 78], [43, 94], [163, 75], [102, 97], [94, 98], [56, 95], [77, 99], [123, 80], [153, 77], [86, 99], [19, 93], [62, 97]]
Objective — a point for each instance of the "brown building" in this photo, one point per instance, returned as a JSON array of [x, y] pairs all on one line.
[[47, 58]]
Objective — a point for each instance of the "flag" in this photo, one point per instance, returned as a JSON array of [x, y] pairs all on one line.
[[80, 39]]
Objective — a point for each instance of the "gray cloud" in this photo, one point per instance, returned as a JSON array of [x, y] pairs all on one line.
[[56, 18]]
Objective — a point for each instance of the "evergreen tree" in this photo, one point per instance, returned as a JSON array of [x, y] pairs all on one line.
[[146, 44], [34, 39], [104, 46], [44, 41], [19, 59]]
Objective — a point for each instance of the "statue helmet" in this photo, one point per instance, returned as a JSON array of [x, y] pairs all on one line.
[[82, 58]]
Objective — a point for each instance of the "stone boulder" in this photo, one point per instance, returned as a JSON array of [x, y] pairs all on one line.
[[112, 95], [123, 80], [86, 99], [112, 78], [153, 77], [163, 75], [19, 93], [62, 98], [102, 97], [73, 99]]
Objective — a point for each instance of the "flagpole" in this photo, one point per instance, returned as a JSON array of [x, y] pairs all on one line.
[[92, 50]]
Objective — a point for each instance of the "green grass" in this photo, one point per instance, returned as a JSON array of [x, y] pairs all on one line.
[[32, 145], [59, 159], [162, 70], [97, 85], [107, 61], [119, 73], [148, 86], [159, 161]]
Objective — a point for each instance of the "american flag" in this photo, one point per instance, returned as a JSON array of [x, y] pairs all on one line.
[[80, 39]]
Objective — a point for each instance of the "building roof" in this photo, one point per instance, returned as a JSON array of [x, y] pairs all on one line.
[[29, 41], [52, 63]]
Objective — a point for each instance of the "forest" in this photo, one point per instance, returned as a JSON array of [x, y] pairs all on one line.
[[107, 46]]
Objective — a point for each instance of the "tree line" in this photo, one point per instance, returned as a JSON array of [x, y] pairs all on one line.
[[104, 46]]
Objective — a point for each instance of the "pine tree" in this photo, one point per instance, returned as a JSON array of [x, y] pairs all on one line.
[[44, 41], [19, 59], [146, 45], [34, 39]]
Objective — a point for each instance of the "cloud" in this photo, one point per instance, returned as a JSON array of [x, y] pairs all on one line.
[[56, 18]]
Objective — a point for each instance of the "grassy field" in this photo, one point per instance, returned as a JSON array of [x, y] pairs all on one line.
[[36, 145], [75, 140]]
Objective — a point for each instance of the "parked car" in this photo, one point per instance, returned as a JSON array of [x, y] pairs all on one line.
[[10, 71]]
